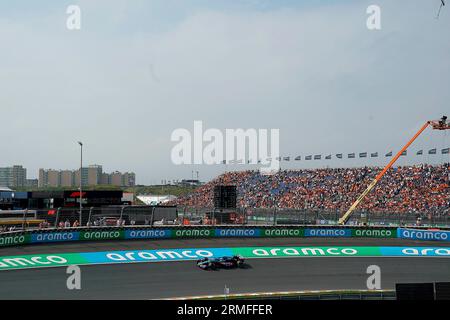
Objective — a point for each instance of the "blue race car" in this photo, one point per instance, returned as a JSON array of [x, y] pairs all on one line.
[[220, 263]]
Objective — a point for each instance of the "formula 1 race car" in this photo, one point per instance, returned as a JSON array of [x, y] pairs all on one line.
[[221, 263]]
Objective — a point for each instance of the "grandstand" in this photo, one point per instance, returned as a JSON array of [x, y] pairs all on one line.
[[420, 189]]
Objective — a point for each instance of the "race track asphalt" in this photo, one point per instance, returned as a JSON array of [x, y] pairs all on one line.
[[177, 279]]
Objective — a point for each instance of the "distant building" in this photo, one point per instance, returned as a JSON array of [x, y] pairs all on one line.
[[94, 176], [189, 183], [129, 179], [32, 183], [67, 178], [13, 177], [153, 200], [116, 178], [90, 176], [49, 178], [106, 178], [84, 177], [53, 178]]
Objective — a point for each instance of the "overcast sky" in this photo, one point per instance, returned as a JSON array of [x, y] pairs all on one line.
[[137, 70]]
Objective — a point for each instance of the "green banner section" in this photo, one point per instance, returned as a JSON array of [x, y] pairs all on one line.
[[282, 232], [269, 252], [192, 254], [41, 261], [375, 233], [193, 233], [102, 235], [14, 240]]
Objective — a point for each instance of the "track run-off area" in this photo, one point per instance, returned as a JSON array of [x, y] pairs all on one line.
[[187, 254], [127, 269]]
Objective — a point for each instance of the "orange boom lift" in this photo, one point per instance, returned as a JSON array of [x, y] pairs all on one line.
[[441, 124]]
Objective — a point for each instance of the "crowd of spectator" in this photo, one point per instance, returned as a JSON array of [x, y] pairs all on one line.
[[409, 189], [7, 228]]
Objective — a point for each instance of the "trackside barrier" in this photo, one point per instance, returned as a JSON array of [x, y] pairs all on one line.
[[428, 235], [189, 254], [302, 295], [172, 232]]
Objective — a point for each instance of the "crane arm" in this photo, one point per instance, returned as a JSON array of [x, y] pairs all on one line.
[[346, 216]]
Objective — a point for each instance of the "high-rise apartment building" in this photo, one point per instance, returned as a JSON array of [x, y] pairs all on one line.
[[94, 175], [13, 177], [90, 176], [106, 179], [49, 178], [53, 178], [32, 183], [67, 178], [116, 178], [129, 179]]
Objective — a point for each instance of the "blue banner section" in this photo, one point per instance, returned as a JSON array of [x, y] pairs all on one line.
[[46, 237], [237, 232], [154, 255], [415, 251], [415, 234], [328, 232], [148, 234]]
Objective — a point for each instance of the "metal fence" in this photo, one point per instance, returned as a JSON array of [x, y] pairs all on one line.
[[148, 215], [88, 217], [305, 295], [283, 216]]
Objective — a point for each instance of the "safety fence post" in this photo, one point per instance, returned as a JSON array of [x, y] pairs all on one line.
[[57, 217], [153, 213], [24, 220], [88, 224], [121, 215]]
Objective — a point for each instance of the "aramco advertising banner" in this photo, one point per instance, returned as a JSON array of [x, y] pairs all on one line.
[[428, 235], [49, 236], [189, 254]]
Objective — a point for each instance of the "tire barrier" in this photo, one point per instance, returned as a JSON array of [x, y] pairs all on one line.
[[170, 232]]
